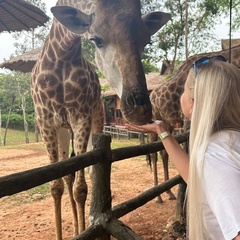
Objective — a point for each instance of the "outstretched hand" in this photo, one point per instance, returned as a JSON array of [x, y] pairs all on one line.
[[155, 127]]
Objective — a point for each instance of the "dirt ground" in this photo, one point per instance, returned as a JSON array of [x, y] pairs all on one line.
[[30, 216]]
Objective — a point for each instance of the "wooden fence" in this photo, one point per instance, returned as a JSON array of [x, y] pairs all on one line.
[[104, 217]]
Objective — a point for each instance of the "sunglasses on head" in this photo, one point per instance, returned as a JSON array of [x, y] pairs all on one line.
[[205, 60]]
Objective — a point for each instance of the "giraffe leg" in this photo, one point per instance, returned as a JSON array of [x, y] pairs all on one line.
[[69, 179], [153, 161], [57, 192], [80, 191], [81, 130], [155, 174], [63, 140], [57, 189], [97, 127], [49, 136], [164, 157]]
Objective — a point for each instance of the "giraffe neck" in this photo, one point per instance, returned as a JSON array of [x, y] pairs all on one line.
[[182, 72], [61, 45]]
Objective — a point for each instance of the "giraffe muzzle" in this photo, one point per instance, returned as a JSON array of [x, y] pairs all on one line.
[[136, 107]]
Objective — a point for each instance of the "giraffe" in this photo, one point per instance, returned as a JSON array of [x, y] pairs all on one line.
[[65, 88], [165, 101], [66, 96]]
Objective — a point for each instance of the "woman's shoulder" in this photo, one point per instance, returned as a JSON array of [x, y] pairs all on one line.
[[225, 135], [224, 143]]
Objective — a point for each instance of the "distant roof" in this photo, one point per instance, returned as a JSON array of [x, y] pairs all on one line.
[[24, 62], [20, 15]]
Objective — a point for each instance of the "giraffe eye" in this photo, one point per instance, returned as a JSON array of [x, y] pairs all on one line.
[[98, 41]]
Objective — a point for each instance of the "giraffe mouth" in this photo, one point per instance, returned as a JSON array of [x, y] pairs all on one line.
[[136, 107]]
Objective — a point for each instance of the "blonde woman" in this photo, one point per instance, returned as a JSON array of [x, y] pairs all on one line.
[[211, 100]]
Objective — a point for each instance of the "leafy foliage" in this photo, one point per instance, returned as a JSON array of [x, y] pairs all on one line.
[[11, 87], [88, 49], [202, 16]]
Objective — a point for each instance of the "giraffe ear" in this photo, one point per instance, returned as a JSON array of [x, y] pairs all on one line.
[[155, 20], [72, 18]]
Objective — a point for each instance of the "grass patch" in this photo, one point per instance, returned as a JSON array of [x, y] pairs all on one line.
[[114, 167], [42, 190], [31, 195], [119, 143], [15, 137]]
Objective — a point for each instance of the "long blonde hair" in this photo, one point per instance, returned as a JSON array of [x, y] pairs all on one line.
[[216, 107]]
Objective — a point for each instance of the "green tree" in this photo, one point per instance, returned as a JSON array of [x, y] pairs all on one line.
[[196, 25], [235, 15], [88, 49], [23, 84], [9, 97], [16, 103]]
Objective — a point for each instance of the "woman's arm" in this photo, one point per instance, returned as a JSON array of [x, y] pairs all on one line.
[[178, 156]]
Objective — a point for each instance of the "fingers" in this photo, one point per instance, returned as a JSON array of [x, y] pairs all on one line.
[[133, 127], [146, 128]]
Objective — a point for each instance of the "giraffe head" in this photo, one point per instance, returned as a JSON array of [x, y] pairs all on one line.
[[120, 33]]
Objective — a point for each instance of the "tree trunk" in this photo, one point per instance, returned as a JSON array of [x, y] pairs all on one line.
[[186, 30], [7, 123], [1, 142], [24, 118]]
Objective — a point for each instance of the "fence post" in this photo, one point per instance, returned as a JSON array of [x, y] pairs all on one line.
[[101, 202], [180, 214]]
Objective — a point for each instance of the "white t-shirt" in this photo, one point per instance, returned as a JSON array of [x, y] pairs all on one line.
[[221, 184]]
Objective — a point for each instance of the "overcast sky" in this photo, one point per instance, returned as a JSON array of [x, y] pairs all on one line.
[[6, 46]]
